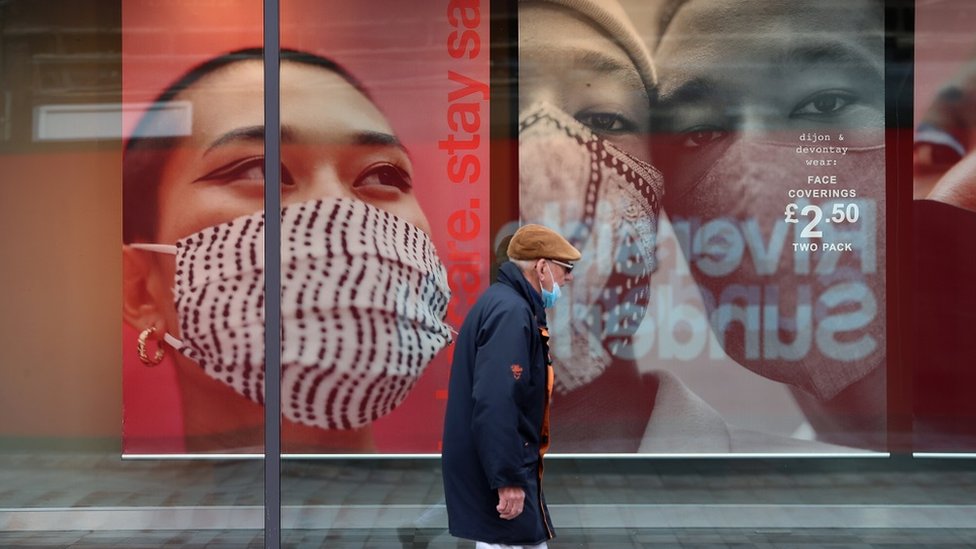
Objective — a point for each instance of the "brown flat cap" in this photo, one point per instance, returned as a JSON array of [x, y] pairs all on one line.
[[538, 242]]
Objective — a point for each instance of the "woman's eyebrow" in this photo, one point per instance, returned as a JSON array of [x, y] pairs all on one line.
[[370, 138], [255, 134], [247, 134], [367, 137], [603, 62], [586, 57]]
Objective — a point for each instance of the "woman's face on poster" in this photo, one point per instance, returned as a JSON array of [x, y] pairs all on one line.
[[334, 144], [347, 192]]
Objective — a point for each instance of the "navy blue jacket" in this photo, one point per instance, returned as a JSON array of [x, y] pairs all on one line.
[[497, 421]]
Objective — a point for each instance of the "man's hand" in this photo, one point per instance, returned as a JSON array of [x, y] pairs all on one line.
[[511, 500]]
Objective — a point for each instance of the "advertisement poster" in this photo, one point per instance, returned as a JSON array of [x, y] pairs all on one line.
[[724, 182], [385, 245], [944, 264], [721, 166]]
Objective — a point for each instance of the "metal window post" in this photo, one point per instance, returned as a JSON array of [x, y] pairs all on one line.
[[272, 277]]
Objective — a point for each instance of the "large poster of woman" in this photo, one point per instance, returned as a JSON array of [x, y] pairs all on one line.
[[384, 140]]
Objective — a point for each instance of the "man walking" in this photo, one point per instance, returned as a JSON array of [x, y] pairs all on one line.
[[497, 425]]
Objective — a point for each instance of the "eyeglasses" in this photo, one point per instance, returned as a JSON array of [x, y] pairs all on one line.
[[567, 266]]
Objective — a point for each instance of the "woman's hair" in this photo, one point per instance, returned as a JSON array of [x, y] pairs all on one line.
[[145, 155]]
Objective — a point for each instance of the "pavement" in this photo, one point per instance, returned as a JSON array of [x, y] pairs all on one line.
[[95, 499]]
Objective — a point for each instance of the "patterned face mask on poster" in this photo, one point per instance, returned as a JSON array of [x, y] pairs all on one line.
[[363, 299], [815, 320], [606, 202]]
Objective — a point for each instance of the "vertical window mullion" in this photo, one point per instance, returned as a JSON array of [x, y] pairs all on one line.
[[272, 273]]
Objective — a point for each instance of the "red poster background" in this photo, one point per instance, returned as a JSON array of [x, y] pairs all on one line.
[[400, 51]]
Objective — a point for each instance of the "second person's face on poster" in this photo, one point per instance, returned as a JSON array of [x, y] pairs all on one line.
[[768, 69], [565, 61], [762, 104], [584, 114]]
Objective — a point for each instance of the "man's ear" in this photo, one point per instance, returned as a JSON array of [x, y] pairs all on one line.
[[140, 300]]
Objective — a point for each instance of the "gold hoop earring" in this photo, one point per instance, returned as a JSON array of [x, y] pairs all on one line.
[[143, 355]]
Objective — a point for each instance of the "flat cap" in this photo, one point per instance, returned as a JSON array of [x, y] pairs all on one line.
[[538, 242]]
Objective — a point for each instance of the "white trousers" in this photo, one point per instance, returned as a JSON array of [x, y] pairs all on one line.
[[483, 545]]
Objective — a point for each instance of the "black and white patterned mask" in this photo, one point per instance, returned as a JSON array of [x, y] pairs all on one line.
[[363, 301], [606, 202]]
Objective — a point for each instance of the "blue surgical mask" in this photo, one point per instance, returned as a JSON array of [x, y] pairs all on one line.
[[549, 297]]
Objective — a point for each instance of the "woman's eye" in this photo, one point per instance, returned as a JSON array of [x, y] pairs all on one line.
[[825, 103], [385, 175], [248, 169], [608, 122], [701, 136]]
